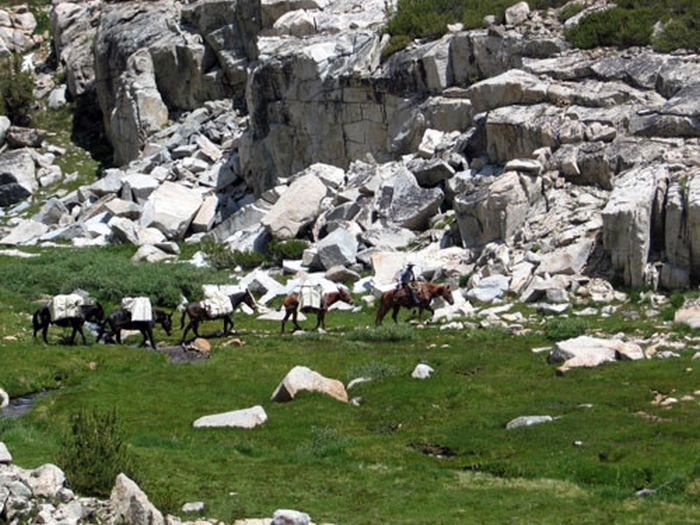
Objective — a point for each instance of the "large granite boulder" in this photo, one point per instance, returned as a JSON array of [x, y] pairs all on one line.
[[170, 209], [130, 506], [297, 208], [301, 378], [585, 351], [404, 203]]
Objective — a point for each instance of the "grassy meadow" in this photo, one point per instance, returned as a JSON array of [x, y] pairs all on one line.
[[432, 451]]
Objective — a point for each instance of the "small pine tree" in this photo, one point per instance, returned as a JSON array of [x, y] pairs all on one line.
[[16, 89], [94, 452]]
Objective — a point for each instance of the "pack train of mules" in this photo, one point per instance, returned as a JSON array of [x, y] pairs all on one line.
[[75, 311]]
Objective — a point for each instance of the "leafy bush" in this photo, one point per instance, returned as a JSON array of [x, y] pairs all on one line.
[[565, 328], [677, 300], [680, 32], [94, 452], [16, 89], [292, 249], [373, 369], [615, 27], [388, 333], [570, 10], [248, 259], [108, 274], [325, 442]]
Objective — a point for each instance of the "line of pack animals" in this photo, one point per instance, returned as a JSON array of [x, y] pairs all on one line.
[[136, 313]]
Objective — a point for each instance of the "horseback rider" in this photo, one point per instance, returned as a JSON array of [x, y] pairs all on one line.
[[406, 280]]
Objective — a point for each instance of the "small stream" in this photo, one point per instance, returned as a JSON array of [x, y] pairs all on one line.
[[20, 406]]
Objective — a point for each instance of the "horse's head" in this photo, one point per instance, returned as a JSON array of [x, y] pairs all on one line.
[[445, 291], [249, 299], [344, 295]]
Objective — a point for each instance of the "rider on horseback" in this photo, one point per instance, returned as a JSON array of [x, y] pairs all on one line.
[[406, 280]]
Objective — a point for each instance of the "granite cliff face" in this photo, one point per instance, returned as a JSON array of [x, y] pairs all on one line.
[[502, 147]]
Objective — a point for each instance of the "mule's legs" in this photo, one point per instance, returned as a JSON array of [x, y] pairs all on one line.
[[395, 313], [228, 325], [287, 313], [195, 327], [45, 330], [82, 334], [295, 312], [149, 332], [187, 329]]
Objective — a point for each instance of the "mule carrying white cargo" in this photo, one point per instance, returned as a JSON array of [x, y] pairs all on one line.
[[139, 308], [65, 306], [310, 296], [217, 303]]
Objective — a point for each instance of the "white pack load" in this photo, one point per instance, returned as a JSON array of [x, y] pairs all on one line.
[[217, 303], [139, 308], [310, 296], [65, 306]]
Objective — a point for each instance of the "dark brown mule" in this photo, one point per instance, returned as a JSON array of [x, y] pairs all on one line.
[[120, 320], [291, 307], [425, 293], [88, 312], [198, 313]]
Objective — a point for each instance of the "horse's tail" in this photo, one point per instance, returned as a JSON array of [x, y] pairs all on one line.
[[35, 321], [182, 319]]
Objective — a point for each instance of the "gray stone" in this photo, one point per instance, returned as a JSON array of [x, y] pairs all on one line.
[[527, 421], [57, 97], [131, 506], [245, 418], [489, 288], [5, 456], [4, 127], [46, 481], [192, 507], [517, 13], [587, 351], [337, 248], [402, 201], [4, 397], [301, 378], [296, 208], [151, 254], [422, 371], [568, 260], [26, 232], [204, 219], [170, 209], [290, 517]]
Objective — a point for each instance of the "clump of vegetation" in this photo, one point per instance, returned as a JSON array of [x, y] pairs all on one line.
[[325, 442], [631, 23], [570, 10], [558, 329], [388, 333], [373, 369], [292, 249], [95, 451], [108, 274], [16, 90]]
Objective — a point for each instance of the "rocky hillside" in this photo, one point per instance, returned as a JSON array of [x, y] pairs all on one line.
[[501, 153]]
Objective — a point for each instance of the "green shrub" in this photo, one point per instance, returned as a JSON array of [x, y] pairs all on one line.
[[558, 329], [680, 32], [325, 442], [677, 300], [248, 259], [107, 274], [94, 452], [388, 333], [570, 10], [614, 27], [292, 249], [373, 369], [16, 89]]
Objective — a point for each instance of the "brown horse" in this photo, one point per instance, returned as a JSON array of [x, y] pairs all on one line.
[[425, 293], [198, 313], [291, 307]]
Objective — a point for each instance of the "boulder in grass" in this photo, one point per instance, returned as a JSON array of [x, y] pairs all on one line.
[[5, 456], [528, 421], [130, 505], [290, 517], [422, 371], [4, 399], [589, 352], [245, 418], [302, 378]]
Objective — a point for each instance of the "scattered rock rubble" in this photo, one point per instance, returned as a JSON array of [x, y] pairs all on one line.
[[42, 495]]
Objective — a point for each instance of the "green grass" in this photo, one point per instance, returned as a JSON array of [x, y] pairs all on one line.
[[433, 451]]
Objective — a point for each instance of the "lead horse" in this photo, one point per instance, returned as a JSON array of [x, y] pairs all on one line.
[[198, 313], [120, 319], [291, 307], [425, 293], [88, 312]]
